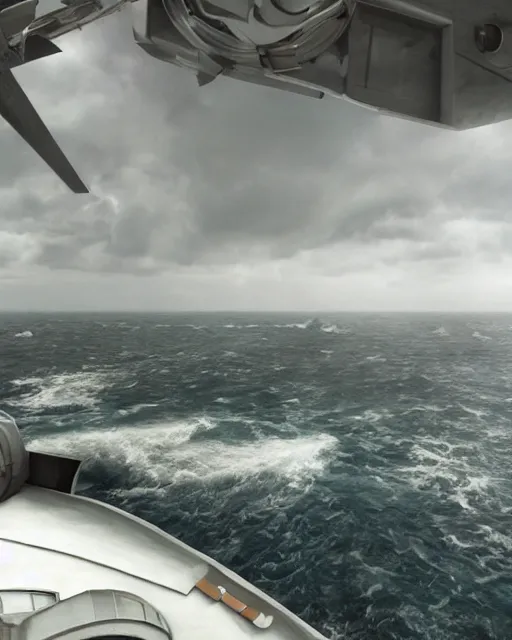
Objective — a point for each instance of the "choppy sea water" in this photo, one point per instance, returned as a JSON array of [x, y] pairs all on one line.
[[356, 468]]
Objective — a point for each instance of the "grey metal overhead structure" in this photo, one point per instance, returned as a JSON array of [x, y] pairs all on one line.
[[447, 63], [17, 47]]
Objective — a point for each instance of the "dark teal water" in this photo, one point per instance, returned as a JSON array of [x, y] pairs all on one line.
[[357, 468]]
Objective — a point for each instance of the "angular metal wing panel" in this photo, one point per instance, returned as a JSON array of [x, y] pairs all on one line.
[[17, 110]]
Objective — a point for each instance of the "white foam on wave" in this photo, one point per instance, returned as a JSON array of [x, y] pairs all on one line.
[[479, 336], [60, 390], [495, 538], [240, 326], [478, 413], [440, 331], [165, 453], [137, 408], [370, 416], [426, 408], [421, 453], [195, 327], [24, 334], [295, 325], [439, 468], [330, 328], [458, 543], [376, 358], [314, 323]]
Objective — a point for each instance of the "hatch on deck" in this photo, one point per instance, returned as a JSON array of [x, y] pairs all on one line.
[[97, 615]]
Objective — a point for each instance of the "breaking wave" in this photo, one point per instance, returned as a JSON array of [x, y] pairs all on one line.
[[169, 453]]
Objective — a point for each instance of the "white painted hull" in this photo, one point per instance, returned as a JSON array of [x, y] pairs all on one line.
[[53, 541]]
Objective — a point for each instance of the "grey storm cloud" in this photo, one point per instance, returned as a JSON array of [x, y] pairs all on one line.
[[183, 175]]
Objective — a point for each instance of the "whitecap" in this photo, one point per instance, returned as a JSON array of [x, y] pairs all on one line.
[[24, 334], [369, 416], [330, 328], [479, 336], [427, 408], [376, 358], [295, 325], [461, 498], [495, 538], [373, 589], [479, 413], [313, 323], [61, 390], [137, 408], [454, 540]]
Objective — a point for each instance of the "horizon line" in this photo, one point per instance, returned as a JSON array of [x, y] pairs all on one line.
[[255, 311]]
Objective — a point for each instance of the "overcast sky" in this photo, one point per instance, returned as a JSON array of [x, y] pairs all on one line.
[[233, 196]]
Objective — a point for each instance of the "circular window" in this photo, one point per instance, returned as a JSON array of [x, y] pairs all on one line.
[[489, 38]]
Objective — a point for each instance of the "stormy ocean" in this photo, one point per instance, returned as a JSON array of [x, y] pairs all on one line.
[[355, 467]]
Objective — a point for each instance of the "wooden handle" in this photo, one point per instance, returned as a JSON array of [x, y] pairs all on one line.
[[220, 594], [209, 589], [233, 603]]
